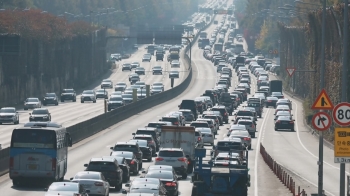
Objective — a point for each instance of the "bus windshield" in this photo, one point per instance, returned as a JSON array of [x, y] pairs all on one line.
[[33, 138]]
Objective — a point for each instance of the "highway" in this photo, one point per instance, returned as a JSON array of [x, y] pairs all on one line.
[[69, 113], [204, 77]]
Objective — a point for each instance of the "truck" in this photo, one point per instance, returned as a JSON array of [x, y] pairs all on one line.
[[151, 49], [174, 55], [159, 55], [239, 48], [203, 42], [180, 137], [218, 47], [240, 60], [203, 35], [275, 86], [224, 181]]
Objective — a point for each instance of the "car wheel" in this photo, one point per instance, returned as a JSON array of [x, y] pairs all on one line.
[[81, 101], [0, 123], [253, 135], [74, 100], [276, 129], [94, 101], [56, 103], [15, 183], [292, 130]]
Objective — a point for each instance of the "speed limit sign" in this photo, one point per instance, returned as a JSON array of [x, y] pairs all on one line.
[[341, 114]]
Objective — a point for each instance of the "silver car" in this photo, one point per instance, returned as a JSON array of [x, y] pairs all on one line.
[[120, 86], [235, 127], [106, 83], [210, 122], [173, 157], [88, 95], [207, 135], [250, 126], [9, 115], [244, 136], [31, 103], [95, 182]]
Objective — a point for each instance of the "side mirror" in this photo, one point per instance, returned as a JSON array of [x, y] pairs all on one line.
[[71, 178], [111, 148], [85, 165], [127, 185]]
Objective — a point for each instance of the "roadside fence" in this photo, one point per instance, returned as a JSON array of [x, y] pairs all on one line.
[[281, 173]]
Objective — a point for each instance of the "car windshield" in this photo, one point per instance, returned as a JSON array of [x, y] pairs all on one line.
[[204, 130], [157, 84], [116, 99], [94, 176], [40, 111], [127, 155], [127, 95], [88, 92], [157, 87], [121, 84], [140, 83], [244, 113], [50, 95], [160, 175], [240, 133], [101, 165], [100, 91], [7, 110], [141, 143], [32, 100], [276, 93], [65, 187]]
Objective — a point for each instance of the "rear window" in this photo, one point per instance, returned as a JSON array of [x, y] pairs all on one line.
[[245, 123], [155, 125], [219, 109], [204, 124], [140, 132], [160, 175], [187, 104], [143, 138], [101, 166], [165, 153], [244, 113], [169, 119], [125, 147], [209, 122], [227, 146], [253, 104]]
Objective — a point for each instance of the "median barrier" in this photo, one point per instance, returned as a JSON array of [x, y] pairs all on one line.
[[98, 123]]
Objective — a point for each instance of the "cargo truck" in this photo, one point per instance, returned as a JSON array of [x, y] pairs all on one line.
[[275, 86], [180, 137]]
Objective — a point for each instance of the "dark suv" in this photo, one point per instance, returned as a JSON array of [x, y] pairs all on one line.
[[257, 106], [68, 94], [191, 105], [50, 98], [225, 99], [130, 147], [150, 131], [173, 119], [109, 167], [223, 111]]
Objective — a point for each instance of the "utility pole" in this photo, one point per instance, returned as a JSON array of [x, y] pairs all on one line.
[[344, 81]]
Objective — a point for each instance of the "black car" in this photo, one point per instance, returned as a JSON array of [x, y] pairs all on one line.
[[147, 151], [123, 164], [130, 147], [110, 169], [279, 95], [284, 122], [50, 98], [131, 159], [191, 105], [225, 100], [257, 106], [40, 114], [168, 178], [271, 101], [68, 94], [115, 102], [126, 66], [223, 111], [150, 131], [140, 71]]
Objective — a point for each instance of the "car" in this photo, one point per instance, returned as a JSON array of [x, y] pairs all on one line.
[[198, 139], [32, 103], [141, 93], [223, 111], [147, 57], [9, 115], [236, 127], [250, 126], [134, 78], [95, 182], [146, 148], [101, 93], [279, 95], [271, 101], [126, 66], [167, 178], [244, 136], [150, 140], [207, 135], [129, 147], [106, 83], [116, 94], [115, 102], [282, 113], [210, 122], [174, 157], [284, 102], [282, 108], [110, 169], [120, 86], [135, 65], [66, 188], [146, 187], [174, 74], [124, 165], [40, 114], [141, 84], [175, 63], [188, 115], [156, 90], [68, 94], [50, 98], [158, 84], [88, 95], [128, 98], [117, 57], [224, 159], [140, 71], [284, 122], [157, 70], [228, 144], [215, 113], [131, 159], [153, 131]]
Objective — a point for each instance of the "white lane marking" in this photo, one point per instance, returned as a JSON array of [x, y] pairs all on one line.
[[257, 150]]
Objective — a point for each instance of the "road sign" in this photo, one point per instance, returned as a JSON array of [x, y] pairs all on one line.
[[323, 102], [321, 121], [342, 145], [341, 114], [290, 71]]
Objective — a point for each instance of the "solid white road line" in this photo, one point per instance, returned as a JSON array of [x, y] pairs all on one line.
[[257, 151]]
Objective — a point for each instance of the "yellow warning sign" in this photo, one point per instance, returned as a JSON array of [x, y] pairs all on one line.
[[323, 102], [342, 142]]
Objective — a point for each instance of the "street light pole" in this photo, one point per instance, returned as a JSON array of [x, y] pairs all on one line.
[[344, 82]]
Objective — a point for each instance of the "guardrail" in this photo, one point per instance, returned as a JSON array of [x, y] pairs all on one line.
[[281, 173], [98, 123]]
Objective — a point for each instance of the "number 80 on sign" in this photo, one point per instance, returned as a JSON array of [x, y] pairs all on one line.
[[341, 114]]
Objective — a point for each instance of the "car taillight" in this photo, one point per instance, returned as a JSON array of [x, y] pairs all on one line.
[[151, 142], [132, 162], [246, 138], [253, 126], [269, 101], [225, 114], [11, 162], [291, 122], [159, 159], [170, 184], [278, 121], [176, 123], [182, 159], [54, 164], [98, 184], [199, 138]]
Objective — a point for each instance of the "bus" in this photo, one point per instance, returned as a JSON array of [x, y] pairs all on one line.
[[39, 151]]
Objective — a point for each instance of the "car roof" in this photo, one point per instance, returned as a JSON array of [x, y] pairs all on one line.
[[143, 135], [160, 167], [170, 149], [104, 159], [128, 143], [150, 129]]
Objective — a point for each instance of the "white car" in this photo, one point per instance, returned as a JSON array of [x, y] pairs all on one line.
[[175, 63], [95, 182], [207, 135], [66, 188], [32, 103], [107, 83]]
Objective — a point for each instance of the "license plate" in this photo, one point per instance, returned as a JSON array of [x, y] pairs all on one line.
[[284, 122], [86, 186], [32, 167]]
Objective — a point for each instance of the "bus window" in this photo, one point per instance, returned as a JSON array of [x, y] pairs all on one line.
[[33, 138]]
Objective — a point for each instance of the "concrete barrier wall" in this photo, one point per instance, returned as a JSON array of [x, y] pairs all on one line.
[[96, 124]]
